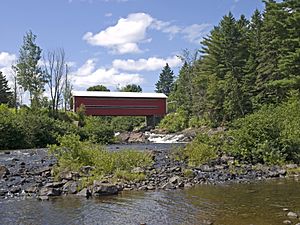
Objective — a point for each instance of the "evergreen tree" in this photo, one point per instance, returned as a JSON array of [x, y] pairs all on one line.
[[29, 73], [131, 88], [5, 93], [98, 88], [166, 81]]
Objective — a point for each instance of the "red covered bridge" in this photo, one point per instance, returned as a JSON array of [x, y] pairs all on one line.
[[100, 103]]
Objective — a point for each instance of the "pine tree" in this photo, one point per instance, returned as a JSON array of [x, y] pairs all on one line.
[[29, 73], [166, 81], [5, 93]]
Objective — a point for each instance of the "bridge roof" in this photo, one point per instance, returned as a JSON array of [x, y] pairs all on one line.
[[117, 94]]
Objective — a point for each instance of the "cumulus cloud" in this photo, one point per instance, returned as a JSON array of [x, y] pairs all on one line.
[[6, 59], [128, 33], [88, 75], [194, 33], [124, 36], [149, 64]]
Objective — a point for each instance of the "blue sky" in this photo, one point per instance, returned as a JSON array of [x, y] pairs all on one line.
[[114, 42]]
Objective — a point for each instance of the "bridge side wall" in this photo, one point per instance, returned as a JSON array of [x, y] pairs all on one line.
[[110, 106]]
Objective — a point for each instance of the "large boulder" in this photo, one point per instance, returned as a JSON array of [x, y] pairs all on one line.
[[104, 189], [137, 137]]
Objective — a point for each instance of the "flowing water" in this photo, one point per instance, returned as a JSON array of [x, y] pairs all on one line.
[[257, 203]]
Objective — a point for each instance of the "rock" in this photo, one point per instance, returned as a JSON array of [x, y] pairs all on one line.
[[150, 187], [55, 184], [136, 138], [175, 180], [69, 175], [292, 215], [3, 192], [15, 189], [287, 222], [3, 172], [123, 137], [285, 209], [84, 192], [43, 198], [207, 222], [7, 152], [282, 172], [31, 189], [50, 191], [70, 187], [291, 166], [104, 189], [206, 168]]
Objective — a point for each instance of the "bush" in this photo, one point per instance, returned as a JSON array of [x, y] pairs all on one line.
[[174, 122], [72, 154], [202, 149], [126, 123], [97, 130], [270, 135]]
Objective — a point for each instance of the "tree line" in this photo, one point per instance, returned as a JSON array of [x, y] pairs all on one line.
[[243, 64]]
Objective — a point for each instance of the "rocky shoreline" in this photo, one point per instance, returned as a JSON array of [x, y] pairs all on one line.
[[28, 173]]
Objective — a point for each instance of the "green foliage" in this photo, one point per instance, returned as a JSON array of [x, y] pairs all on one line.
[[98, 88], [271, 135], [166, 81], [97, 130], [72, 154], [126, 123], [29, 73], [174, 122], [5, 93], [202, 149], [131, 88], [30, 128]]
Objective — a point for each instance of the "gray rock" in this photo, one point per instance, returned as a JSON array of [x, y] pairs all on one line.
[[292, 215], [3, 172], [50, 191], [3, 192], [150, 187], [287, 222], [71, 187], [104, 189], [69, 175], [31, 189], [84, 193], [175, 179], [15, 189], [291, 166], [43, 198], [55, 184], [86, 169]]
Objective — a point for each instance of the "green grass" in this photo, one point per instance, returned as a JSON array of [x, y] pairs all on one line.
[[73, 154]]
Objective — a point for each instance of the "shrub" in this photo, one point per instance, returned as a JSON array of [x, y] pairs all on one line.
[[97, 130], [126, 123], [174, 122], [270, 135], [202, 149], [72, 154]]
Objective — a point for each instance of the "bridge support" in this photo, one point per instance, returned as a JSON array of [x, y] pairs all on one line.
[[152, 121]]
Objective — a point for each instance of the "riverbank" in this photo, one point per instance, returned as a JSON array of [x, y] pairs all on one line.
[[29, 173]]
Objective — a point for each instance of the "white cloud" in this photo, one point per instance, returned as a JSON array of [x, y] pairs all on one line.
[[87, 75], [128, 33], [124, 36], [7, 59], [149, 64], [194, 33]]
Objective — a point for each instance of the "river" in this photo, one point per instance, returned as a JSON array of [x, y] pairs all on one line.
[[257, 203]]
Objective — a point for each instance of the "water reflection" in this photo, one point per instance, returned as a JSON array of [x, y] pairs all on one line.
[[236, 204]]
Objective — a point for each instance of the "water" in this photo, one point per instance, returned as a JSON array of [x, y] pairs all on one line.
[[259, 203]]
